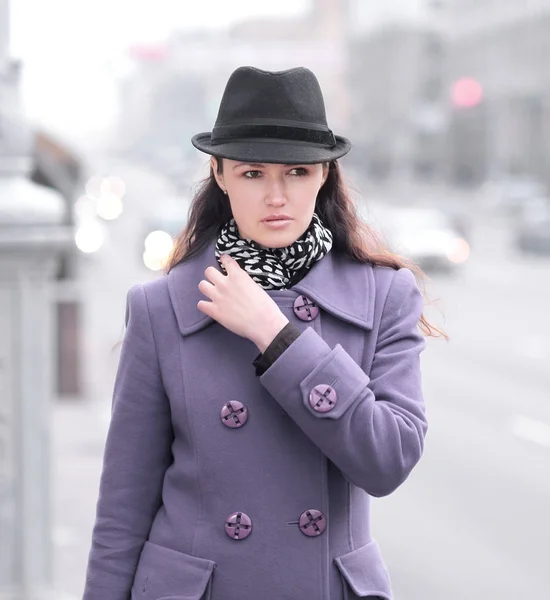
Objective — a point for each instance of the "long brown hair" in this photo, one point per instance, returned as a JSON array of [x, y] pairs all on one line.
[[210, 210]]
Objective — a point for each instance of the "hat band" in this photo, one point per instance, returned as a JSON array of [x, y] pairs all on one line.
[[234, 133]]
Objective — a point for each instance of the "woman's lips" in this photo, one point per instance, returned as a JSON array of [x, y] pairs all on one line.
[[277, 224]]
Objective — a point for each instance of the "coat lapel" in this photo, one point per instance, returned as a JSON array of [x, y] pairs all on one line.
[[339, 285]]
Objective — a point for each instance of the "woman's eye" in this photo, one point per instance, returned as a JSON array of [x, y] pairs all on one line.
[[252, 174], [299, 172]]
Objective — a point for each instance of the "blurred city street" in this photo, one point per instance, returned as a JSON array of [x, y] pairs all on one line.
[[475, 511], [447, 106], [471, 521]]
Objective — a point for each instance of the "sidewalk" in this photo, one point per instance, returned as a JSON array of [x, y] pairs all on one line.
[[77, 437]]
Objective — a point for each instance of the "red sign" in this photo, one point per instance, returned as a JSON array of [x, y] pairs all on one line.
[[466, 93]]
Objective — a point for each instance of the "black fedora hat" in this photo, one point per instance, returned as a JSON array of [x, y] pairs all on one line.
[[272, 117]]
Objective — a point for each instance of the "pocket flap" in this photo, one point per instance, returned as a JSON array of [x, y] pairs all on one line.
[[165, 574], [365, 571]]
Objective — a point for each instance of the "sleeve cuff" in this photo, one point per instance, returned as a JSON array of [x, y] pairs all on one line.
[[282, 341]]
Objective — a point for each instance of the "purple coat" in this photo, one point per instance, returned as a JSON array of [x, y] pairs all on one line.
[[221, 485]]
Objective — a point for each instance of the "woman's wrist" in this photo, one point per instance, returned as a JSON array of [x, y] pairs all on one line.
[[269, 331]]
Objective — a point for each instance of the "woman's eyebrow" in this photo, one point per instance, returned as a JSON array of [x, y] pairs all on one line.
[[245, 164], [248, 165]]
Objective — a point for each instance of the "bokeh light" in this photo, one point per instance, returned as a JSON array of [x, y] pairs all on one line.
[[89, 237]]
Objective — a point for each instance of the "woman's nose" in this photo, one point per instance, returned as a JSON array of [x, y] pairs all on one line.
[[275, 193]]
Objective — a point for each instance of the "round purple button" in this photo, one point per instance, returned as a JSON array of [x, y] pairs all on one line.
[[312, 522], [323, 398], [234, 414], [238, 526], [305, 309]]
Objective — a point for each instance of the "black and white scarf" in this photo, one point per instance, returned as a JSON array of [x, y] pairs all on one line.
[[275, 268]]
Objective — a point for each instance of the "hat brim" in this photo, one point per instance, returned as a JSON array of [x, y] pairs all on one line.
[[272, 151]]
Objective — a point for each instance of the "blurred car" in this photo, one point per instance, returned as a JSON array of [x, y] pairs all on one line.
[[460, 219], [508, 194], [532, 229], [426, 235]]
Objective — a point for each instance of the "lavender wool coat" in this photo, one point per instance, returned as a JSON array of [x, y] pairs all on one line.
[[297, 477]]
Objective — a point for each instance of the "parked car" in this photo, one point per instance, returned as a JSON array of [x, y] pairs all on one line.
[[507, 194], [426, 235], [532, 229]]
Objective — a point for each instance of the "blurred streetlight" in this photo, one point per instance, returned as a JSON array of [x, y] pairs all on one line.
[[109, 206], [106, 193], [158, 246], [115, 185], [89, 237]]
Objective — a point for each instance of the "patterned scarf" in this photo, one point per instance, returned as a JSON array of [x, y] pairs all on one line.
[[275, 268]]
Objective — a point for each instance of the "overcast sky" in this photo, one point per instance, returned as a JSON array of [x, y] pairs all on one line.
[[66, 44], [93, 25]]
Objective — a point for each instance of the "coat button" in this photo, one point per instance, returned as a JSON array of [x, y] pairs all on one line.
[[234, 414], [238, 526], [312, 522], [323, 398], [305, 309]]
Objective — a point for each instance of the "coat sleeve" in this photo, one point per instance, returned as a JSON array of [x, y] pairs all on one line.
[[375, 432], [137, 454]]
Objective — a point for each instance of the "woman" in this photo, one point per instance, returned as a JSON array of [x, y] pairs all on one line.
[[233, 475]]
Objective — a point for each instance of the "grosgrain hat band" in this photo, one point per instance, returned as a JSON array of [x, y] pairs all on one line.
[[235, 133]]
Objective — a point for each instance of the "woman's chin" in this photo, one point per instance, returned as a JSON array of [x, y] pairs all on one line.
[[276, 240]]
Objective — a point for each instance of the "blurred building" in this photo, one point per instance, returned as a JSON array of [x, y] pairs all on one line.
[[397, 73], [367, 17], [51, 162], [503, 46], [161, 104], [175, 89]]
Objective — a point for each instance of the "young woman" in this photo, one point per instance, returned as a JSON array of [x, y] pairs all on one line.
[[269, 385]]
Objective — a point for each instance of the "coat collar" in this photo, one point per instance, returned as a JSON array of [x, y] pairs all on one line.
[[339, 285]]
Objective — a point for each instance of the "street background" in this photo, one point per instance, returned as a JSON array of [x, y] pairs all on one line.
[[447, 103]]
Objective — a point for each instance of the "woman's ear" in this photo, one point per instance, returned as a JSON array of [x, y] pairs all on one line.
[[217, 174]]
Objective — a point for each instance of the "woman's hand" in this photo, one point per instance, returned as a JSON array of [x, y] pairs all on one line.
[[240, 304]]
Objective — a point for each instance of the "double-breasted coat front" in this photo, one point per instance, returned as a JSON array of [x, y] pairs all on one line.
[[221, 485]]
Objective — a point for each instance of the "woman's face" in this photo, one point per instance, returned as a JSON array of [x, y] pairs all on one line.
[[257, 191]]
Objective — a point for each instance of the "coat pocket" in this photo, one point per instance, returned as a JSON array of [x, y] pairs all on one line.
[[364, 573], [165, 574]]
